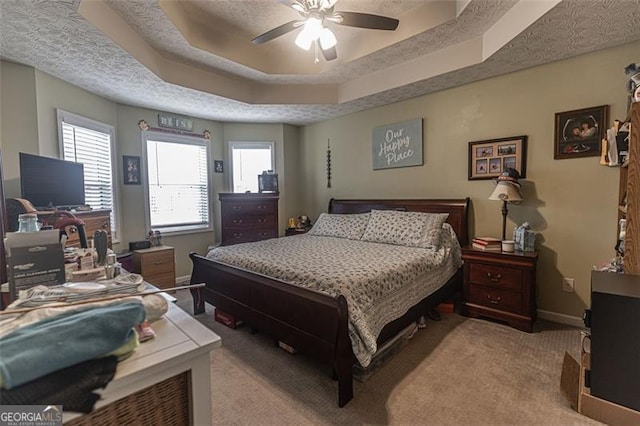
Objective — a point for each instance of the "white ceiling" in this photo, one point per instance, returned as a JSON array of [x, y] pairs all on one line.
[[195, 57]]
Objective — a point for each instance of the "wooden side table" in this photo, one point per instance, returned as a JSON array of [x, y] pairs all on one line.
[[500, 286], [156, 265], [295, 231]]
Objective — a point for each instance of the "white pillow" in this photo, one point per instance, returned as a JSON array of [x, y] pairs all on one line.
[[412, 229], [349, 226]]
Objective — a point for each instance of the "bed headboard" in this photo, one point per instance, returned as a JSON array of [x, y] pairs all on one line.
[[457, 208]]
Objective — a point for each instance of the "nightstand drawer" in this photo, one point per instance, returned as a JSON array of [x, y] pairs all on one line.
[[504, 300], [158, 262], [495, 276]]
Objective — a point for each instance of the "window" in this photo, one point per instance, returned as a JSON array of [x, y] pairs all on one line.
[[177, 183], [91, 143], [248, 160]]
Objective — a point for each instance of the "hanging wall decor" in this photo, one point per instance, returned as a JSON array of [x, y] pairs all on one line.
[[328, 163], [397, 145]]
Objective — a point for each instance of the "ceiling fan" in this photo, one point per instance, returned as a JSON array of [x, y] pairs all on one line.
[[315, 15]]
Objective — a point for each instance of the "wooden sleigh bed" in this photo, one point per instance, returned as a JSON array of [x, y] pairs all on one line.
[[312, 322]]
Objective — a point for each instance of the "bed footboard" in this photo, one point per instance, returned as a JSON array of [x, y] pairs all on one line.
[[309, 321]]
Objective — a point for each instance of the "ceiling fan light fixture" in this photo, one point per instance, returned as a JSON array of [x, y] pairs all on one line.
[[327, 39], [310, 33], [304, 40]]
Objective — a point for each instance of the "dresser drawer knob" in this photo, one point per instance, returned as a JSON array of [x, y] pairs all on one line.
[[236, 207], [494, 278], [237, 221], [105, 225], [494, 300], [237, 234], [262, 220], [262, 234], [158, 263], [261, 207]]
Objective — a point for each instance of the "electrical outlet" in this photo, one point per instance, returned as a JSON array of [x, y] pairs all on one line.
[[567, 284]]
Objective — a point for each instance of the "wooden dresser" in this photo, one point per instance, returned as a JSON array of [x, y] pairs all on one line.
[[93, 220], [248, 217]]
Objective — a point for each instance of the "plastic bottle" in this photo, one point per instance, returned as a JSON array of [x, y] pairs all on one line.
[[28, 222]]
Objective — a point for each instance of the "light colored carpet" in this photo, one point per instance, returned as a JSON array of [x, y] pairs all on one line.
[[457, 371]]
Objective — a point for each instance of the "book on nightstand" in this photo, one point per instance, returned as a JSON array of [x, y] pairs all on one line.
[[487, 243]]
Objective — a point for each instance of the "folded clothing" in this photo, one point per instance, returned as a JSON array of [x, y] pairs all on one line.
[[71, 387], [46, 346]]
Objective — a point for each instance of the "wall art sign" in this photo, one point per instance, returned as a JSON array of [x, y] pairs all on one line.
[[397, 145], [175, 122], [579, 133], [487, 159]]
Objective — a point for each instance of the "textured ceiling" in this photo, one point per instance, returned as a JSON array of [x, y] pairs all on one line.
[[56, 38]]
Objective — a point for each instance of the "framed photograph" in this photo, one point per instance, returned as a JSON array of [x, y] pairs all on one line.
[[131, 169], [579, 133], [487, 159], [218, 166]]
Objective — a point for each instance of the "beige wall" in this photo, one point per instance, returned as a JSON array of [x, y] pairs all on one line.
[[18, 121], [53, 93], [571, 204]]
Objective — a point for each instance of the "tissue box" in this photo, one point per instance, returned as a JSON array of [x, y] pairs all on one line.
[[525, 240]]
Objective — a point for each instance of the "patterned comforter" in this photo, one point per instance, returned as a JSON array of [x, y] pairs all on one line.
[[380, 281]]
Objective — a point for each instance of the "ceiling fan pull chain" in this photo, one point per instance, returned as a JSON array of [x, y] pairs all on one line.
[[315, 50]]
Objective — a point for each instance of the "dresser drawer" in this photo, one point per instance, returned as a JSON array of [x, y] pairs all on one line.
[[251, 207], [234, 236], [495, 276], [503, 300], [249, 221], [158, 262]]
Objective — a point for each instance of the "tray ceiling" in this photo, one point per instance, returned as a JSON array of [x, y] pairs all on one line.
[[196, 58]]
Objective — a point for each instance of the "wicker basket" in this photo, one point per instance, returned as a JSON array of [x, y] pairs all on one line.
[[165, 403]]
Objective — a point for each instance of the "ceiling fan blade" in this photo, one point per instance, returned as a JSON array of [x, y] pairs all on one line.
[[365, 20], [295, 5], [327, 4], [329, 54], [276, 32]]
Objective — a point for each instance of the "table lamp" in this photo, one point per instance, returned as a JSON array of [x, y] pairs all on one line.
[[507, 190]]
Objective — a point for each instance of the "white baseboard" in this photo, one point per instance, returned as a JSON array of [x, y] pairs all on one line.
[[183, 278], [561, 318]]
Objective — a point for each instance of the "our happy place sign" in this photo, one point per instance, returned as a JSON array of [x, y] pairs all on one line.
[[397, 145]]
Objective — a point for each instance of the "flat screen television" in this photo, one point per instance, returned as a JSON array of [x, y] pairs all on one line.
[[49, 182]]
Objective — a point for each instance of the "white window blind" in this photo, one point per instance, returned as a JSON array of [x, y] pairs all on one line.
[[178, 183], [91, 143], [248, 160]]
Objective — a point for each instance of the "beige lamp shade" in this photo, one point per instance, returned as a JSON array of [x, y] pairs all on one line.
[[506, 191]]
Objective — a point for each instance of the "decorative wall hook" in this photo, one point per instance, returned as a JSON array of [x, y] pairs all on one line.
[[328, 163]]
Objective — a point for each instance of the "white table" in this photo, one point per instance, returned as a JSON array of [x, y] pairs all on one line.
[[181, 344]]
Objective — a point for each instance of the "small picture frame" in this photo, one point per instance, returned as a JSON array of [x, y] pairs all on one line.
[[579, 133], [489, 158], [268, 182], [218, 166], [131, 169]]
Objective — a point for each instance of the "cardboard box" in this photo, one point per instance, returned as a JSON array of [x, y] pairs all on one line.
[[572, 384], [226, 319]]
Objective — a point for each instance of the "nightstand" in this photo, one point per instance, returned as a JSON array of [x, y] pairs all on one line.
[[500, 286], [295, 231], [156, 265]]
